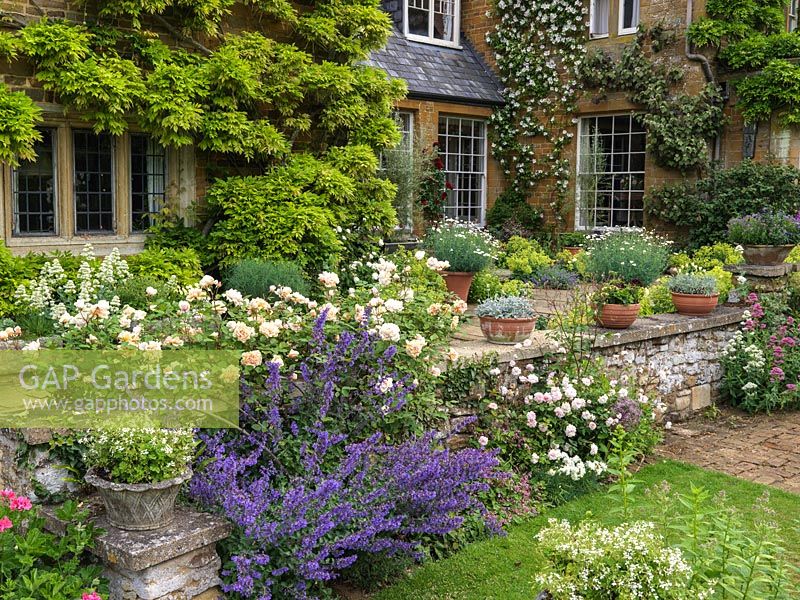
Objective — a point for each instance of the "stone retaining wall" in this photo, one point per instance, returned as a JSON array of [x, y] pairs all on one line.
[[678, 355]]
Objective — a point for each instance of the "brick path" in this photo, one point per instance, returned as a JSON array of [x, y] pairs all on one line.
[[761, 448]]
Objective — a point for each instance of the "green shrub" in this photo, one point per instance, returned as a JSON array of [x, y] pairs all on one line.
[[314, 211], [485, 285], [717, 255], [511, 210], [133, 291], [254, 277], [467, 248], [657, 299], [525, 257], [705, 207], [573, 262], [163, 263], [169, 231], [633, 256]]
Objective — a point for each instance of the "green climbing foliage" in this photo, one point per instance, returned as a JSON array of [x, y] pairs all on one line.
[[19, 117], [248, 95], [749, 35], [678, 124]]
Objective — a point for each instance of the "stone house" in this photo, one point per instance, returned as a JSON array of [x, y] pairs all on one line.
[[439, 47], [96, 188], [611, 25]]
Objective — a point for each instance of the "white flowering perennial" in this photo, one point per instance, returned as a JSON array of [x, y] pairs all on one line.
[[631, 561]]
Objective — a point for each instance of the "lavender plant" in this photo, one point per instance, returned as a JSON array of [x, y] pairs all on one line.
[[310, 486]]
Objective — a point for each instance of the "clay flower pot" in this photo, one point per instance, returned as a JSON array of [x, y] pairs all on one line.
[[138, 506], [574, 250], [694, 305], [766, 255], [506, 331], [458, 283], [617, 316]]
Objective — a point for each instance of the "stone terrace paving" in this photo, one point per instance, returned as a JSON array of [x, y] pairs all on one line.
[[761, 448]]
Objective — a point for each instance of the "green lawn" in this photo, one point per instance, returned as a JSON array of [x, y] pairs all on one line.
[[502, 568]]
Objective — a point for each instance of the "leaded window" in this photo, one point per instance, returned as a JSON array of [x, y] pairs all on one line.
[[34, 189], [148, 180], [93, 177]]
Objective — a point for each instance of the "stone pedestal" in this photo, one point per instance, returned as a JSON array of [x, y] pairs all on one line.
[[177, 562], [766, 279]]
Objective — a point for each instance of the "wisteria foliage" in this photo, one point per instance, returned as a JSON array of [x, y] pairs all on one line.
[[310, 486]]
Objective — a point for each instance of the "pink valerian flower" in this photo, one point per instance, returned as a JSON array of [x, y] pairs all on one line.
[[7, 494], [5, 523], [777, 374], [791, 387], [92, 596], [20, 503]]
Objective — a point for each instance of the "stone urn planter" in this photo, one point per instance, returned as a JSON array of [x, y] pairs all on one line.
[[766, 255], [458, 283], [694, 305], [617, 316], [138, 506], [506, 331]]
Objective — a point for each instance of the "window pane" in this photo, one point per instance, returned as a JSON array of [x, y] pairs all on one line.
[[599, 17], [148, 180], [418, 16], [94, 189], [462, 146], [610, 175], [444, 20], [630, 14], [34, 189]]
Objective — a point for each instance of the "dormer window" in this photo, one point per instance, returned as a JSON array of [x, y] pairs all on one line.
[[433, 21]]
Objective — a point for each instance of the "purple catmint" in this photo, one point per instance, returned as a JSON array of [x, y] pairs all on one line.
[[310, 483]]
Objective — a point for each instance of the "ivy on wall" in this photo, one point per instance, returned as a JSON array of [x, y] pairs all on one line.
[[749, 35], [539, 47], [678, 124]]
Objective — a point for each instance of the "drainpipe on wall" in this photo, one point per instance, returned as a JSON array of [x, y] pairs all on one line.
[[707, 71], [690, 54]]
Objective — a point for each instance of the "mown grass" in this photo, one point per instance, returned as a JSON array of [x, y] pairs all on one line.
[[503, 568]]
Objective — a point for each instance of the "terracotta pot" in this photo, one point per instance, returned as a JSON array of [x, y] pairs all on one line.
[[507, 331], [693, 304], [459, 283], [766, 255], [574, 250], [617, 316], [138, 506]]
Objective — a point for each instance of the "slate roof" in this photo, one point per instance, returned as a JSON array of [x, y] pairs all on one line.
[[439, 73]]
